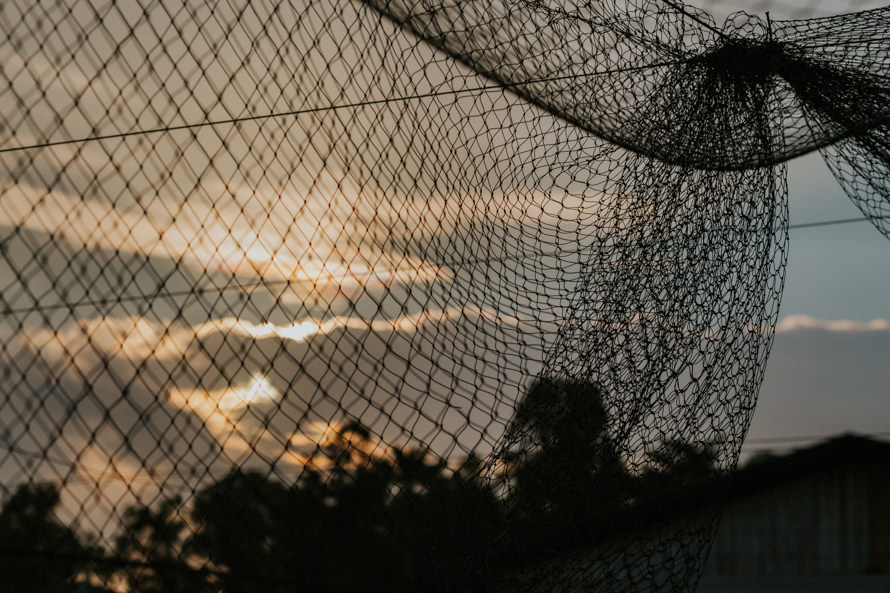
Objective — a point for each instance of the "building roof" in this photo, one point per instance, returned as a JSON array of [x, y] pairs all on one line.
[[840, 452]]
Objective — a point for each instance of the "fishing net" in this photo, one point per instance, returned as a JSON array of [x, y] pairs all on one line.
[[397, 295]]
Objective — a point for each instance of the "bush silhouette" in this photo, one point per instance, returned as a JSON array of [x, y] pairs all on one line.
[[40, 554]]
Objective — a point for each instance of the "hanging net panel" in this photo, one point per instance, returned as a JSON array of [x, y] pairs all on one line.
[[398, 295]]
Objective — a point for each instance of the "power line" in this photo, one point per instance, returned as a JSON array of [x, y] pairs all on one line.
[[685, 12], [298, 112], [163, 293], [807, 225]]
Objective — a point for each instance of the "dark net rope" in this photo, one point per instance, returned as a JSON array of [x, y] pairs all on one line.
[[405, 296]]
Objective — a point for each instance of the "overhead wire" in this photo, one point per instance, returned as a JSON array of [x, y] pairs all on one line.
[[344, 106], [242, 286]]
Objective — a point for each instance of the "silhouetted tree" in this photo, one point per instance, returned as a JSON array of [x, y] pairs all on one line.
[[684, 461], [154, 541], [567, 479], [354, 520], [445, 522], [360, 518], [354, 538], [680, 476], [326, 532], [40, 554], [236, 520]]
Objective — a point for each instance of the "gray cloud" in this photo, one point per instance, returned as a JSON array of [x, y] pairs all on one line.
[[825, 377]]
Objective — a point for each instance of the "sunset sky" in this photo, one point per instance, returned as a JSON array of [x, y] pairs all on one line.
[[828, 372], [166, 338]]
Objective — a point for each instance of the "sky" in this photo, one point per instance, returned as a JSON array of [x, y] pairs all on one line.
[[283, 302], [825, 376]]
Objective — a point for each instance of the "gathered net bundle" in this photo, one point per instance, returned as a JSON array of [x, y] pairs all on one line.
[[397, 295]]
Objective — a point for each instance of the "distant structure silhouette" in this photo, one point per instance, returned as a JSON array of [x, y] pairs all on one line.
[[472, 246]]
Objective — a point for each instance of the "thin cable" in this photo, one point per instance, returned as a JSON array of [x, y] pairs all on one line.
[[682, 9], [242, 286], [298, 112], [807, 225]]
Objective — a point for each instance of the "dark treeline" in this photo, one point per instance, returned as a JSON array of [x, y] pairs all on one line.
[[360, 520]]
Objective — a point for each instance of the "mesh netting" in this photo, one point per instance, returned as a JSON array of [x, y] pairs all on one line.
[[397, 295]]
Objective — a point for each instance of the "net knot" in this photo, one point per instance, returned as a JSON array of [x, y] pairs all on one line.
[[744, 60]]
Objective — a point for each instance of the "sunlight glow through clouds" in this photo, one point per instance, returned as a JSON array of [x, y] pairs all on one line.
[[240, 396], [181, 362], [206, 237], [216, 407], [316, 433], [304, 446], [137, 339], [304, 236], [302, 330], [222, 410]]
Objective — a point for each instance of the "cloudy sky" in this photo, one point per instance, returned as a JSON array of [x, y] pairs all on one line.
[[326, 267], [828, 370], [827, 373]]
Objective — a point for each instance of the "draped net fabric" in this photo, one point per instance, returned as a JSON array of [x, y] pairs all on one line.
[[517, 261]]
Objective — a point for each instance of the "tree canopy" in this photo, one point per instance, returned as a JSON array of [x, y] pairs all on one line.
[[360, 517]]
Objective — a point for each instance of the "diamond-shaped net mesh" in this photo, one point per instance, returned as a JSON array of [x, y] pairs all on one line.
[[397, 295]]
